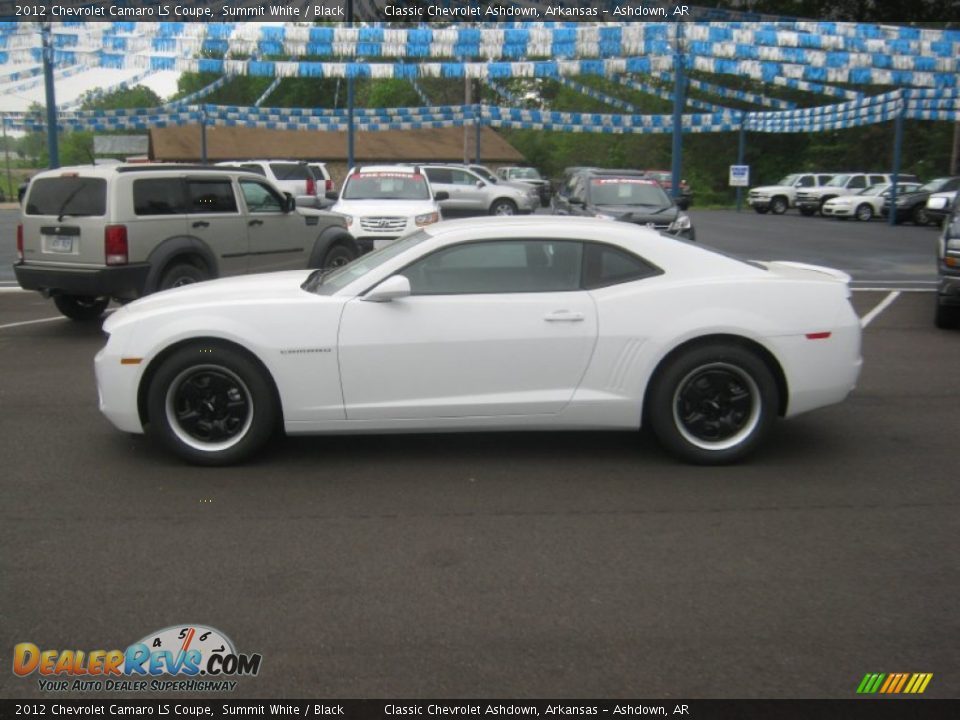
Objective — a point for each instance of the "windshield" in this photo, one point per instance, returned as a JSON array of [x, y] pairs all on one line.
[[838, 181], [934, 185], [524, 174], [484, 173], [385, 186], [327, 284], [627, 191], [877, 189], [788, 180]]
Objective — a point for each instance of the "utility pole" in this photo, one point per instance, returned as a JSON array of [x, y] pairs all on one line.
[[47, 42], [6, 153], [467, 102], [955, 152]]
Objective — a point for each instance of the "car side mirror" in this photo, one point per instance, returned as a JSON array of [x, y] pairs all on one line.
[[393, 288], [441, 195], [479, 184], [332, 195], [289, 202]]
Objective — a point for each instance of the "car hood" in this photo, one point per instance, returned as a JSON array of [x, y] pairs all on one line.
[[364, 208], [234, 291], [773, 188], [632, 213]]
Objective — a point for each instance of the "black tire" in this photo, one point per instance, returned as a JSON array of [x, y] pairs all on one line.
[[863, 212], [181, 274], [82, 308], [338, 256], [737, 396], [503, 206], [946, 317], [211, 404], [761, 210], [920, 216], [808, 211], [779, 205]]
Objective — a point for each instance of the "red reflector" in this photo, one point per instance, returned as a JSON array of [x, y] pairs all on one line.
[[818, 336], [20, 241], [115, 244], [329, 185], [311, 186]]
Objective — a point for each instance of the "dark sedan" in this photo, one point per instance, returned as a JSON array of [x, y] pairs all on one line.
[[913, 206], [624, 196]]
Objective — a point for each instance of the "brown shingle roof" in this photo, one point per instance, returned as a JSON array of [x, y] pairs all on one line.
[[237, 143]]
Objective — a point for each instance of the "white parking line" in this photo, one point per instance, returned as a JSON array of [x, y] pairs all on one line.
[[881, 306], [31, 322]]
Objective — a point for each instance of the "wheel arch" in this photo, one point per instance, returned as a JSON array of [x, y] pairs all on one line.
[[143, 389], [176, 249], [326, 240], [726, 339]]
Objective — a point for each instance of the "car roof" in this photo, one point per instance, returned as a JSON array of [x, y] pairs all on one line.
[[410, 169], [106, 171]]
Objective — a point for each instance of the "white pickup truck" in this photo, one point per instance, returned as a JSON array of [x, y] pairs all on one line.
[[782, 196]]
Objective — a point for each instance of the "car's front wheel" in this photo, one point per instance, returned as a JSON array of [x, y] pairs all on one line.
[[864, 212], [211, 404], [82, 308], [779, 205], [713, 404], [503, 207], [920, 215]]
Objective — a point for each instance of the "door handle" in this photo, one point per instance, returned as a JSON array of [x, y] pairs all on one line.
[[563, 316], [255, 222], [201, 223]]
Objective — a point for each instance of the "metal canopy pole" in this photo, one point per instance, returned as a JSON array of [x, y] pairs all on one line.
[[679, 92], [897, 149], [741, 151], [52, 148], [350, 128], [203, 137]]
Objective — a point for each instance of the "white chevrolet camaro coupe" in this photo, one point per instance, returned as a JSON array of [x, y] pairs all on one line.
[[524, 323]]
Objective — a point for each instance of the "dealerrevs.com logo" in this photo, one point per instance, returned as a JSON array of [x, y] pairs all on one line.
[[182, 658]]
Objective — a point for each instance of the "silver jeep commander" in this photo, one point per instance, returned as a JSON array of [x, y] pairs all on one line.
[[92, 233]]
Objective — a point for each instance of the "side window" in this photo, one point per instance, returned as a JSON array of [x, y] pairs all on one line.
[[877, 179], [461, 177], [605, 265], [501, 266], [158, 196], [577, 188], [439, 176], [254, 168], [211, 196], [260, 198], [857, 182], [824, 179], [806, 181]]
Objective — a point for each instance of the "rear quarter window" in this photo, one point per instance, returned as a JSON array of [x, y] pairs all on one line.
[[158, 196], [290, 171], [70, 195]]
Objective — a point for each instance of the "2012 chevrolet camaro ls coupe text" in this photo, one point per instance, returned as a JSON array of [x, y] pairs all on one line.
[[534, 323]]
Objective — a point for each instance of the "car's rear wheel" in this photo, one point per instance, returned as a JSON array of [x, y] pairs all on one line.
[[946, 317], [713, 404], [503, 207], [338, 256], [211, 404], [82, 308], [182, 274], [778, 206], [864, 212]]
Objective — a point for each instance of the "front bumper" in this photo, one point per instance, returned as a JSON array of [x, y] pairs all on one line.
[[838, 210], [948, 287], [125, 281]]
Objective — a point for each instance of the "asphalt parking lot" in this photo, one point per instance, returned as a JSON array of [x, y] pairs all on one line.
[[512, 565]]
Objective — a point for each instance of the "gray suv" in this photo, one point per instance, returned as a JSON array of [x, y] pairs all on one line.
[[91, 233], [470, 193]]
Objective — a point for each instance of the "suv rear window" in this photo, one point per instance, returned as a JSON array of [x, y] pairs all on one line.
[[71, 195], [290, 171], [159, 196]]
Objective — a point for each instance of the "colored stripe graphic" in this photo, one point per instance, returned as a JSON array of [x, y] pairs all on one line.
[[894, 683]]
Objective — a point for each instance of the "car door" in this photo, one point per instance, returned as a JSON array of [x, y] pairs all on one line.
[[214, 218], [442, 181], [278, 240], [472, 193], [491, 329]]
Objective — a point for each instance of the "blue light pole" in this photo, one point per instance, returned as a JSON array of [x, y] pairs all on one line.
[[52, 148], [679, 96], [350, 128]]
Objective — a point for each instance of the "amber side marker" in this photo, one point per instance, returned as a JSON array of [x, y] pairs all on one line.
[[131, 361]]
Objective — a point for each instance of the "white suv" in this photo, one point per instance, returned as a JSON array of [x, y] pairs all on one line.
[[291, 176], [782, 196], [383, 202], [810, 201]]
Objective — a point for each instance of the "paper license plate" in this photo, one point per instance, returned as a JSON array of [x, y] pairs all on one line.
[[60, 243]]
